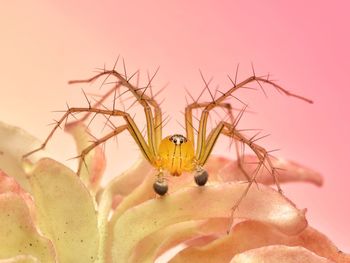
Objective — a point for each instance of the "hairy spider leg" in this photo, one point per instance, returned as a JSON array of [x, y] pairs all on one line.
[[154, 125], [190, 128], [201, 140], [99, 102], [205, 145], [230, 130], [93, 145], [239, 158], [131, 126]]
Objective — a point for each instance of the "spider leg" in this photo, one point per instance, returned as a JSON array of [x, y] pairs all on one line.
[[201, 140], [99, 102], [154, 125], [131, 126], [229, 130], [189, 116], [238, 155], [240, 161], [263, 156], [190, 134], [105, 138], [228, 107]]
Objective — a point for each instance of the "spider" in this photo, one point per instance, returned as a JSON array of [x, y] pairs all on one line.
[[176, 154]]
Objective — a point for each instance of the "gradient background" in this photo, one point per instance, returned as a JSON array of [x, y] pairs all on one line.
[[303, 44]]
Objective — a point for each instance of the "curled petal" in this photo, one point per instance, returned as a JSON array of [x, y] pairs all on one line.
[[94, 162], [131, 188], [14, 143], [288, 171], [131, 181], [18, 235], [66, 212], [9, 185], [216, 162], [194, 203], [277, 254], [249, 235], [20, 259], [125, 183], [158, 242]]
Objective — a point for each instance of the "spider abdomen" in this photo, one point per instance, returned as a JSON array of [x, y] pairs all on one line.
[[176, 154]]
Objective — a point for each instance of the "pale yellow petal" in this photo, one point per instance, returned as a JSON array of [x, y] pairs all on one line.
[[194, 203], [160, 241], [18, 235], [66, 212], [119, 187], [14, 143], [20, 259]]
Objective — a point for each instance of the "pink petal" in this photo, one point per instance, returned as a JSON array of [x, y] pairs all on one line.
[[289, 171], [278, 254], [194, 203], [10, 185], [249, 235]]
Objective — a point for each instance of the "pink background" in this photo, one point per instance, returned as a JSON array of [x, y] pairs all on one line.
[[303, 44]]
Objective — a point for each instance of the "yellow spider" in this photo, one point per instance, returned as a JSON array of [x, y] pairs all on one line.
[[176, 153]]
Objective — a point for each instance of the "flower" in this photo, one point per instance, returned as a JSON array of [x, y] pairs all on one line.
[[49, 214]]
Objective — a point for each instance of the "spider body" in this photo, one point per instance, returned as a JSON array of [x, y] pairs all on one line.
[[176, 155]]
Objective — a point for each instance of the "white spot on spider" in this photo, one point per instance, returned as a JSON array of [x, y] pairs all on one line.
[[178, 139]]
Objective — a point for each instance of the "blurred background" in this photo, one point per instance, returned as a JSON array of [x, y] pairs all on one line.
[[304, 45]]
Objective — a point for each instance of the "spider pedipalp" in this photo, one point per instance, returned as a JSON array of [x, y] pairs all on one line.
[[160, 186], [201, 176]]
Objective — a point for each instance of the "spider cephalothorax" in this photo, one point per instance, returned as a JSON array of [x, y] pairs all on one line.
[[177, 153]]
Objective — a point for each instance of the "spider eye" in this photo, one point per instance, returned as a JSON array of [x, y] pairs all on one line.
[[177, 139], [201, 177]]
